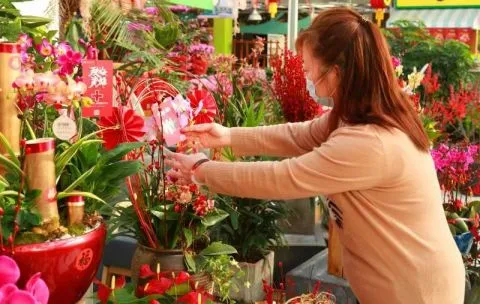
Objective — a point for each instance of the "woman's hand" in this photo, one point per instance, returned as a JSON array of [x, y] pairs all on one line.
[[182, 165], [209, 135]]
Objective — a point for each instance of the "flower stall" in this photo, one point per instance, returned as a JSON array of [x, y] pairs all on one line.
[[455, 20]]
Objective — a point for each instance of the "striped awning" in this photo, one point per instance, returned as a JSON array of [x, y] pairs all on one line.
[[438, 18]]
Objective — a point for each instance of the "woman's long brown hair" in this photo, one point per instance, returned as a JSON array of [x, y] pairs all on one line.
[[369, 92]]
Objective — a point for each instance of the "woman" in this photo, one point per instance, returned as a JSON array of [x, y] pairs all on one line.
[[369, 155]]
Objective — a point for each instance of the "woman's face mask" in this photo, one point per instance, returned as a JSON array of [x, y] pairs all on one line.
[[326, 101]]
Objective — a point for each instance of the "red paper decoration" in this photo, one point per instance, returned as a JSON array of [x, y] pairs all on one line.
[[204, 105]]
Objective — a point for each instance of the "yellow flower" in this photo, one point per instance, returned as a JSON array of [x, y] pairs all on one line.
[[247, 284], [415, 79], [399, 70]]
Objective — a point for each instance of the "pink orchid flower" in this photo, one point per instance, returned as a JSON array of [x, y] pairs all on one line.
[[25, 80], [76, 88], [36, 289], [57, 94], [68, 62], [45, 48], [9, 271], [25, 41], [46, 80], [92, 53], [62, 49]]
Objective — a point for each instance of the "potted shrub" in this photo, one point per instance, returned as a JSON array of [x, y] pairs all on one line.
[[253, 230], [54, 182]]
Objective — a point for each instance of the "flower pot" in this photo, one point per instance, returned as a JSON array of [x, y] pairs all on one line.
[[169, 261], [255, 273], [67, 266], [10, 65]]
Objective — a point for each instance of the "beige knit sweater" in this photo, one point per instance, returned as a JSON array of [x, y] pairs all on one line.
[[385, 199]]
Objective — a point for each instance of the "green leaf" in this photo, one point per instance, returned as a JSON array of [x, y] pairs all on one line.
[[79, 180], [10, 166], [62, 195], [119, 152], [118, 170], [188, 237], [190, 262], [214, 218], [64, 158], [218, 248], [170, 216], [7, 147]]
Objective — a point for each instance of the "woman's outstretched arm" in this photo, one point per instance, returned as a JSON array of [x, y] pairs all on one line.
[[349, 160]]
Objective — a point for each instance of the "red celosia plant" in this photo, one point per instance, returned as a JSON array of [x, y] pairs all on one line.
[[290, 88]]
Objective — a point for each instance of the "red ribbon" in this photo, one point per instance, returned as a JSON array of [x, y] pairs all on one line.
[[76, 199], [12, 48], [39, 145]]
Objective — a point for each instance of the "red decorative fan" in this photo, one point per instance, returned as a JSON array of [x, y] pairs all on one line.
[[123, 126], [153, 90], [204, 106]]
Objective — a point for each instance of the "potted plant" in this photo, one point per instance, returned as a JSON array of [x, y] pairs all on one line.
[[54, 182]]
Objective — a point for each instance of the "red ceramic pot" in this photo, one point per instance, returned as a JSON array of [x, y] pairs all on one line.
[[67, 266]]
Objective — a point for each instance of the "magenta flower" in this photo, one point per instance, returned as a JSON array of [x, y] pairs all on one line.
[[68, 62], [134, 26], [92, 53], [45, 48], [396, 61], [151, 11], [9, 271], [25, 41], [36, 289], [62, 49]]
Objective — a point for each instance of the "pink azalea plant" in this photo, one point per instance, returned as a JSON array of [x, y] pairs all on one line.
[[35, 292]]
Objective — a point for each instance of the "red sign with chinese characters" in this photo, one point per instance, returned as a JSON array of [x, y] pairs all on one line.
[[98, 76], [464, 35]]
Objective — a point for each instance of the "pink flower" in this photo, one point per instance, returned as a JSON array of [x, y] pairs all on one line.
[[68, 62], [76, 88], [396, 61], [25, 41], [25, 80], [62, 49], [151, 11], [46, 80], [9, 271], [135, 26], [19, 296], [45, 48], [92, 53], [38, 289]]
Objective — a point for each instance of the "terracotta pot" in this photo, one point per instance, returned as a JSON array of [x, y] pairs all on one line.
[[67, 266], [169, 260]]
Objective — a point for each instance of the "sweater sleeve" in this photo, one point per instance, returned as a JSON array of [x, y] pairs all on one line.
[[350, 160], [285, 140]]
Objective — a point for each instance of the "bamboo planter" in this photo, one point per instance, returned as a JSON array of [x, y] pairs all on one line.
[[10, 65]]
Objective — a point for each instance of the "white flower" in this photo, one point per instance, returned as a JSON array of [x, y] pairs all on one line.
[[415, 79], [399, 70], [247, 284]]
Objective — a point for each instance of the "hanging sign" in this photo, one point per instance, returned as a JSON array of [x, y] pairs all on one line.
[[98, 76], [436, 4], [223, 9], [203, 4]]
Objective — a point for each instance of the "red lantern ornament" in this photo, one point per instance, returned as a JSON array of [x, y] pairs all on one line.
[[272, 7], [380, 6]]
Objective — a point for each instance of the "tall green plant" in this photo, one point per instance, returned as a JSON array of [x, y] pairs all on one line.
[[12, 23], [451, 59]]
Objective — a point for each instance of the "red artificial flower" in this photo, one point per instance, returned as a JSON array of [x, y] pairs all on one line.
[[154, 302], [289, 86], [196, 297], [199, 65], [204, 106], [158, 286], [146, 272], [182, 277], [104, 291], [153, 90], [268, 292], [124, 126]]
